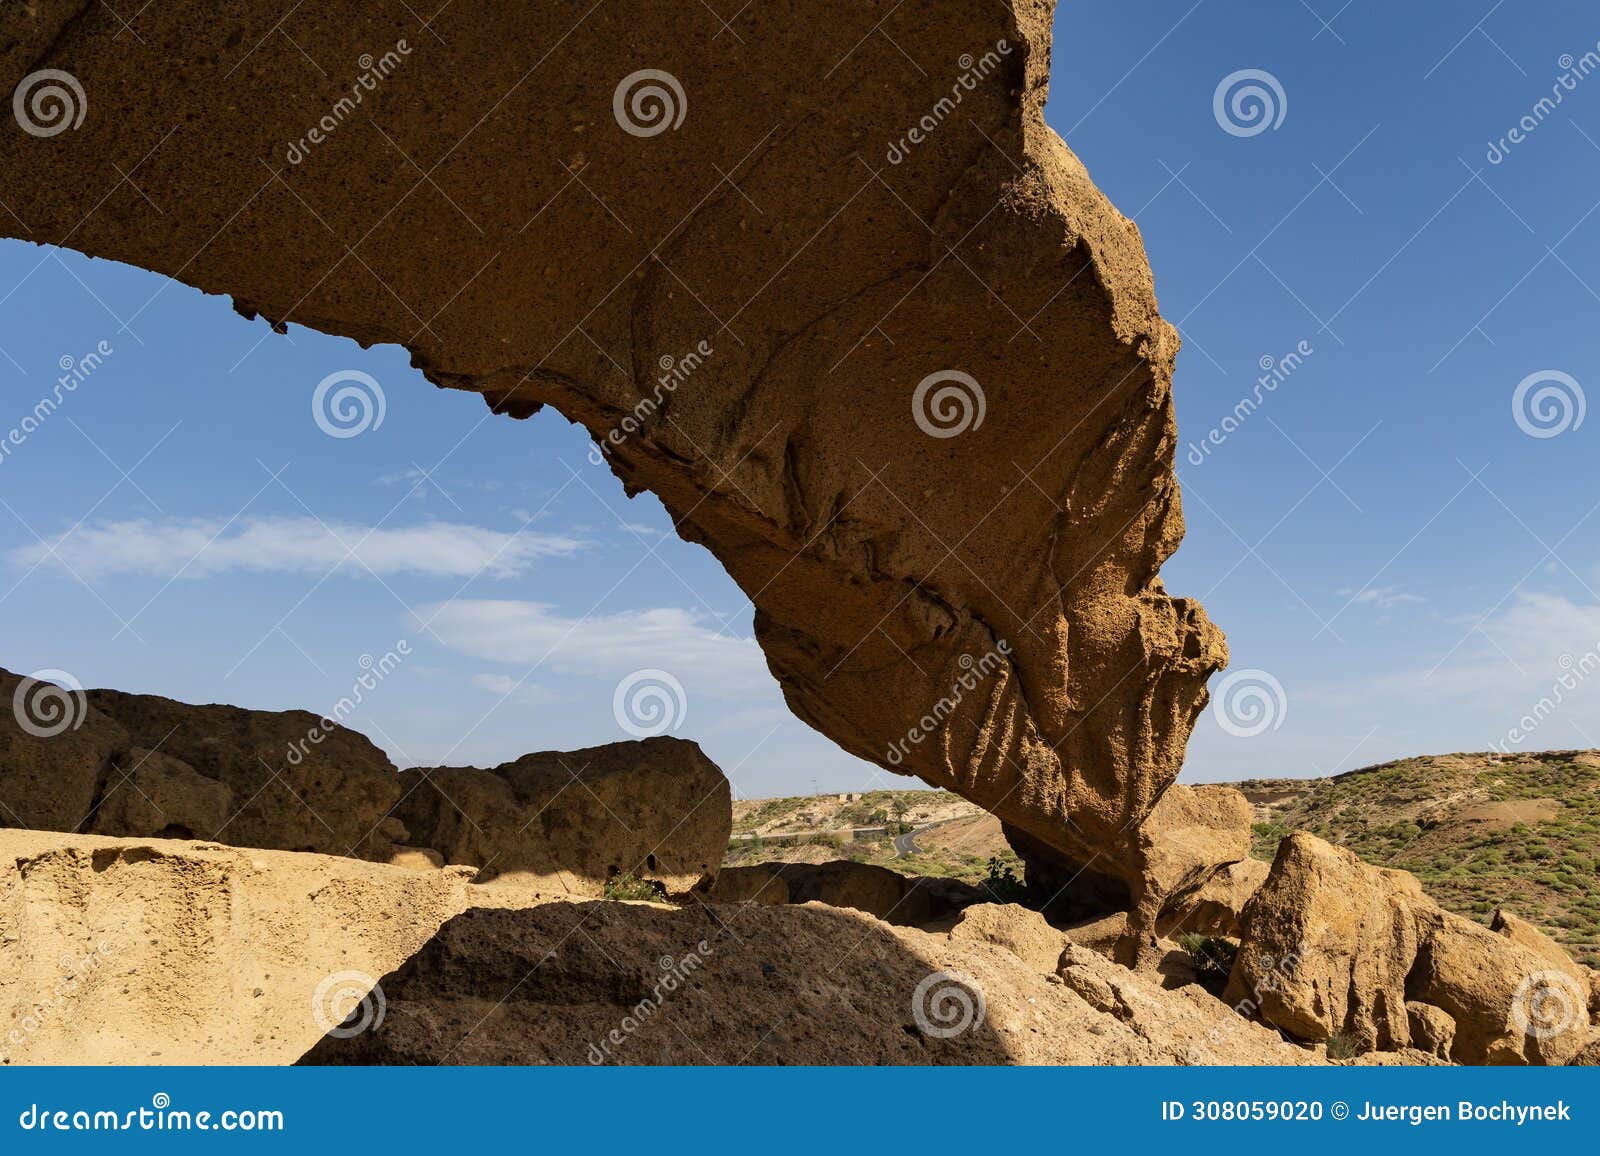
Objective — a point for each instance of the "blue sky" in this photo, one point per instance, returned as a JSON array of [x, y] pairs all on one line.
[[1380, 537]]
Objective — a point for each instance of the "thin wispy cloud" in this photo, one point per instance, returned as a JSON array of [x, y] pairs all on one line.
[[202, 548], [690, 645]]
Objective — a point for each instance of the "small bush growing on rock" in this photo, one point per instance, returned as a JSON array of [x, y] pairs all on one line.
[[1340, 1048], [1002, 883], [628, 886], [1212, 957]]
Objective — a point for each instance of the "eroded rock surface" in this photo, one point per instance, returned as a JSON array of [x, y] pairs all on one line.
[[1334, 947], [919, 402], [571, 820]]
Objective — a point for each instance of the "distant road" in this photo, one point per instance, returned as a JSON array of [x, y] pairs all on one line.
[[906, 844]]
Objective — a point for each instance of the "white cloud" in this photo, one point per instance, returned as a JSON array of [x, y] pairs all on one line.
[[506, 687], [609, 646], [1383, 597], [285, 545]]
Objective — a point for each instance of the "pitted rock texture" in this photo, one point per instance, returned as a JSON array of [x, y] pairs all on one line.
[[296, 783], [484, 205], [568, 821], [1334, 947]]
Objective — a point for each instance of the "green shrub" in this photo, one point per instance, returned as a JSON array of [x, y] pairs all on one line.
[[628, 886]]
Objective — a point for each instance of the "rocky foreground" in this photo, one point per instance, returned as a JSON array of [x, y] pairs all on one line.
[[573, 906]]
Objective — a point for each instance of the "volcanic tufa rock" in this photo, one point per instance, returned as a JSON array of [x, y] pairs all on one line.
[[1334, 947], [55, 754], [570, 820], [150, 793], [1328, 944], [298, 783], [862, 322]]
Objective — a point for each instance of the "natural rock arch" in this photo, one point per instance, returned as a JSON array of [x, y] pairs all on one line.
[[845, 201]]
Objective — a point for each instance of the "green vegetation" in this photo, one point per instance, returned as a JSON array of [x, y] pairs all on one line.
[[626, 886], [1478, 830], [1212, 958]]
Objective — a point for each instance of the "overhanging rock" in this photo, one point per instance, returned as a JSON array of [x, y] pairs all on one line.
[[821, 278]]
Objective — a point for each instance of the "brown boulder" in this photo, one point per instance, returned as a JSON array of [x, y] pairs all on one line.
[[1513, 999], [1019, 930], [1432, 1029], [760, 883], [654, 809], [149, 793], [299, 783], [1328, 944], [787, 251], [55, 753], [1214, 908]]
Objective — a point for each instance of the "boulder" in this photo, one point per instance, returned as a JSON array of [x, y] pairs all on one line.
[[1019, 930], [1328, 944], [150, 793], [1215, 906], [56, 752], [1514, 999], [906, 900], [298, 782], [1432, 1029], [760, 883], [773, 308], [1334, 947], [571, 820]]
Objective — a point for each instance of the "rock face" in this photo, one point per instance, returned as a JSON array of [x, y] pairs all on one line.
[[655, 809], [744, 985], [906, 900], [55, 754], [867, 329], [1328, 944], [1334, 947], [150, 793], [163, 951], [296, 783]]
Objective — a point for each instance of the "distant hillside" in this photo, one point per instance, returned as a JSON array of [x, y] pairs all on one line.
[[1479, 830]]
